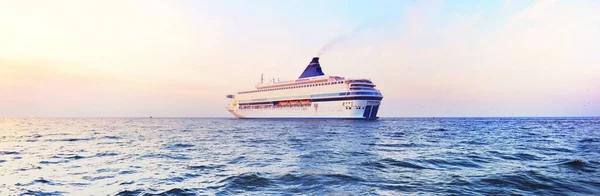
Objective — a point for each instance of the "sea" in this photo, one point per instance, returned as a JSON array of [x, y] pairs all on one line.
[[226, 156]]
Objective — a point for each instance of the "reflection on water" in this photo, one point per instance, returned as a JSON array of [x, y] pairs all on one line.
[[132, 156]]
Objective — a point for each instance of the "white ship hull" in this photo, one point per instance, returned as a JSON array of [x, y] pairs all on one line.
[[356, 109]]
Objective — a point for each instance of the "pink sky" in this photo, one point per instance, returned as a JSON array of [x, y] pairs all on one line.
[[180, 58]]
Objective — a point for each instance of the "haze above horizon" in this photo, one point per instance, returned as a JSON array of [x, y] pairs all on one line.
[[180, 58]]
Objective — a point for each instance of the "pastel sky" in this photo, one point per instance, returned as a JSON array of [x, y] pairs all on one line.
[[119, 58]]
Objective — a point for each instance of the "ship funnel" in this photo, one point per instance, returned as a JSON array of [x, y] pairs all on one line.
[[313, 69]]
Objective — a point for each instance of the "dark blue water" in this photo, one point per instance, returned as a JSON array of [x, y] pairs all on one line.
[[470, 156]]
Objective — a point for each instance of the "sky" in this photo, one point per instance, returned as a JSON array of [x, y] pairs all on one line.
[[459, 58]]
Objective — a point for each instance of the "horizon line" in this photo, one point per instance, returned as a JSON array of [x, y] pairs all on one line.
[[149, 117]]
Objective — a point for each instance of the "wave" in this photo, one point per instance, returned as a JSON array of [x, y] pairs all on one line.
[[126, 183], [344, 178], [179, 145], [205, 167], [92, 178], [439, 130], [69, 139], [124, 172], [111, 137], [167, 156], [409, 145], [53, 162], [68, 156], [530, 181], [444, 163], [237, 160], [104, 154], [37, 181], [30, 168], [589, 140], [404, 164], [30, 192], [246, 181], [75, 157], [297, 183], [374, 165], [175, 191], [580, 164], [520, 157], [8, 152]]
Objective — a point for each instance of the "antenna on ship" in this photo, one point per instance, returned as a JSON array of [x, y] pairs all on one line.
[[261, 78]]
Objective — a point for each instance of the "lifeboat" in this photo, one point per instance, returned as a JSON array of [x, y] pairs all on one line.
[[305, 102], [283, 103], [294, 102]]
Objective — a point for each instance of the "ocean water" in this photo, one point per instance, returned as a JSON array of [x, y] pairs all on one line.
[[391, 156]]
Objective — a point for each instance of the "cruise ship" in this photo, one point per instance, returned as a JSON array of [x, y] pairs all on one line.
[[313, 95]]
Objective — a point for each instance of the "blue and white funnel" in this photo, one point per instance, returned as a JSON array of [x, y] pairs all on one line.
[[313, 69]]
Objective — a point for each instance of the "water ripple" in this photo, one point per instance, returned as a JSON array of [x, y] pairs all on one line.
[[391, 156]]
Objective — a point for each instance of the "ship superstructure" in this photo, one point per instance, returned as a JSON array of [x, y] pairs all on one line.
[[312, 95]]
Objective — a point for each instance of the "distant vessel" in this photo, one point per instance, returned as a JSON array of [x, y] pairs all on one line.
[[312, 95]]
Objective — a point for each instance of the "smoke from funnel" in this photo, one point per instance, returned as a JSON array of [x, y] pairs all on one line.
[[343, 37]]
